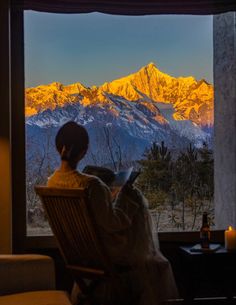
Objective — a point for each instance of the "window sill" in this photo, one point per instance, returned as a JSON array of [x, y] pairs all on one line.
[[49, 242], [189, 237]]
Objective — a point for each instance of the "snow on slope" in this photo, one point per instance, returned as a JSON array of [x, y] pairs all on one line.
[[148, 105]]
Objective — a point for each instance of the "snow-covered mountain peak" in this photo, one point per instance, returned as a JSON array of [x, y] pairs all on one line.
[[191, 99], [151, 69]]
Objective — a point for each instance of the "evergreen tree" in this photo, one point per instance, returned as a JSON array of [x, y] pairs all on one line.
[[185, 179], [185, 182], [155, 178], [206, 170]]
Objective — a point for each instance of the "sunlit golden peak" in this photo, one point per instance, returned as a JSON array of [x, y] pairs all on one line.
[[151, 65], [151, 69]]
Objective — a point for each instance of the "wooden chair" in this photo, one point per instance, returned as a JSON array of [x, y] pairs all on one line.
[[73, 225]]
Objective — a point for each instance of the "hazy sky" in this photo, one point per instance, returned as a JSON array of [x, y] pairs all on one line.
[[94, 48]]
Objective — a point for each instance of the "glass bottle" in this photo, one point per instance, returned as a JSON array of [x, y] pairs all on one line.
[[205, 232]]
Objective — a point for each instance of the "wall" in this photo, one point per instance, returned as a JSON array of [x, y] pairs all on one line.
[[224, 26], [5, 150]]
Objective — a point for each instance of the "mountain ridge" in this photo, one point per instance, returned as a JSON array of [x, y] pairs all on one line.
[[192, 99]]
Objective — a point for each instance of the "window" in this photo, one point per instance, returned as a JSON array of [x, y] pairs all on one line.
[[143, 87]]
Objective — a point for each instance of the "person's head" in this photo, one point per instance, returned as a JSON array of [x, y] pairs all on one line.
[[72, 143]]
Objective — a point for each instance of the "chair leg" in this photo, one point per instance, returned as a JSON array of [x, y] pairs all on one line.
[[85, 295], [81, 292], [85, 300]]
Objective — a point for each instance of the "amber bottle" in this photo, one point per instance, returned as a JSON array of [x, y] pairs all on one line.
[[205, 232]]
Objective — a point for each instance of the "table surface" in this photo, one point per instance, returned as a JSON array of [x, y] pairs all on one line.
[[220, 251]]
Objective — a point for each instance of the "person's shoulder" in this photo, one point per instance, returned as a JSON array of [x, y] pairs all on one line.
[[90, 179], [95, 182], [97, 188], [52, 179]]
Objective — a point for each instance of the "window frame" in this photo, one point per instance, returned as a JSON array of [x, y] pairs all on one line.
[[17, 130], [21, 241]]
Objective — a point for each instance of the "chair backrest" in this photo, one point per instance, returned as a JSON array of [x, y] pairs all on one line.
[[72, 223]]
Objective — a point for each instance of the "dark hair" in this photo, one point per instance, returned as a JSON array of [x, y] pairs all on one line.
[[71, 140]]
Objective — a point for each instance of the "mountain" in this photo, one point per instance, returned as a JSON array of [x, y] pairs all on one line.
[[124, 116], [191, 99]]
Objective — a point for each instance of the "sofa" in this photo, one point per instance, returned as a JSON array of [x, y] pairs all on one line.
[[29, 279]]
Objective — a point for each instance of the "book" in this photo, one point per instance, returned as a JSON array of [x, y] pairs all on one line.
[[123, 177], [212, 248], [113, 179]]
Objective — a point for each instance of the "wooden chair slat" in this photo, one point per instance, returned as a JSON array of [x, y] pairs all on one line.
[[73, 225]]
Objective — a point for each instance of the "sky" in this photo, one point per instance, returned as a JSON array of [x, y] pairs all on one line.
[[96, 48]]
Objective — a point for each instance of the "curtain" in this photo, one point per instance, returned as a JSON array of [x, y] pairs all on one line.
[[129, 7]]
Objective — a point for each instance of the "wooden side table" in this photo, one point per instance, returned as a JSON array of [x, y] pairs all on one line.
[[214, 270]]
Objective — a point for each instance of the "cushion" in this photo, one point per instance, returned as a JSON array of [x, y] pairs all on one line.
[[26, 272], [50, 297]]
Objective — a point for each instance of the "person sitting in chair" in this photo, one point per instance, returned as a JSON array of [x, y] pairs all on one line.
[[72, 142], [115, 221]]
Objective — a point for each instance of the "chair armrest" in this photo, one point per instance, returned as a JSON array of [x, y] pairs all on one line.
[[26, 272]]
